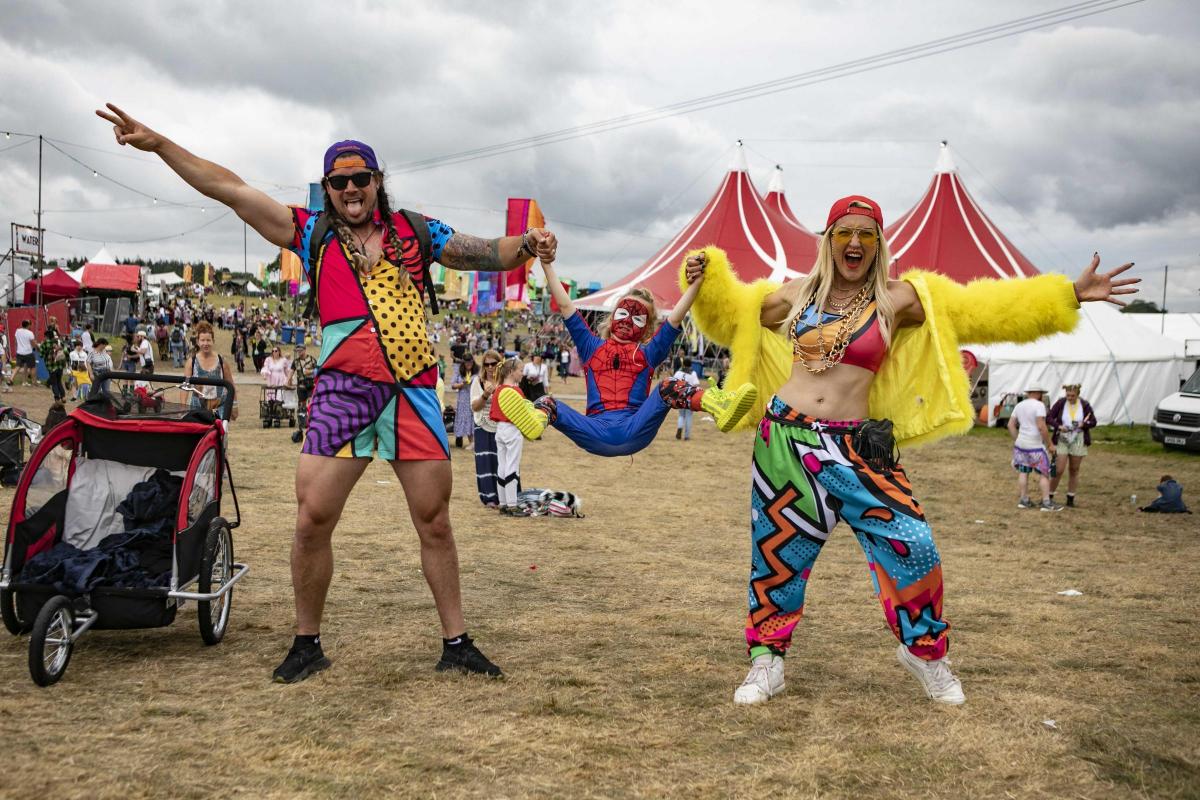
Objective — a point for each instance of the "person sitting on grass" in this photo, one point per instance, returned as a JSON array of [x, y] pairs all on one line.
[[623, 415], [1169, 500]]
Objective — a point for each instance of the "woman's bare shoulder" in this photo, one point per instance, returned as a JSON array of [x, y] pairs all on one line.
[[906, 303]]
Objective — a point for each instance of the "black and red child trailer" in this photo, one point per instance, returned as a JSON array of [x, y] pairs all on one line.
[[116, 521]]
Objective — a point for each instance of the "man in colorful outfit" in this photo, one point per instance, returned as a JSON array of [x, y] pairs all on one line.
[[375, 388]]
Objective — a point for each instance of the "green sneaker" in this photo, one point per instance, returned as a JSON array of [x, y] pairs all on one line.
[[728, 407], [530, 421]]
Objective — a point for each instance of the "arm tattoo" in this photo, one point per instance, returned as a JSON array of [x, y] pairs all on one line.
[[472, 253]]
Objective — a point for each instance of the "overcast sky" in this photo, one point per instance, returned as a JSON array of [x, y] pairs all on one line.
[[1077, 137]]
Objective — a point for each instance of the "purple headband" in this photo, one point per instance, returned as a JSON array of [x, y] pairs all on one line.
[[350, 146]]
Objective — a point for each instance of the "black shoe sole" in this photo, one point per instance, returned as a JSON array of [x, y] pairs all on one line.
[[448, 666], [320, 664]]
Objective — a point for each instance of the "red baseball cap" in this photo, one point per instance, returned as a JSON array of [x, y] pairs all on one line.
[[855, 204]]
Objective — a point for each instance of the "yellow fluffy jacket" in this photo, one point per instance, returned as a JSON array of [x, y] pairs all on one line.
[[922, 386]]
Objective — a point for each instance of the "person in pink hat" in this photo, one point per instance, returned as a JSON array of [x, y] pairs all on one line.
[[858, 364]]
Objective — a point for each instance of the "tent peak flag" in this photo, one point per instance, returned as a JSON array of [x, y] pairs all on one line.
[[777, 204], [738, 163], [776, 182], [945, 161]]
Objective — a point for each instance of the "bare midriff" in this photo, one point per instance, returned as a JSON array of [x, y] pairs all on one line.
[[838, 393]]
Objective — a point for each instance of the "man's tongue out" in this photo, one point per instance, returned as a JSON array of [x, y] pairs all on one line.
[[354, 206]]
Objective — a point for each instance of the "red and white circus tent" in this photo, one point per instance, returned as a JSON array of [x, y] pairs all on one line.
[[760, 244], [947, 231], [776, 201]]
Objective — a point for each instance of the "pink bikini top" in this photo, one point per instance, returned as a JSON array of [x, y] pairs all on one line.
[[866, 349]]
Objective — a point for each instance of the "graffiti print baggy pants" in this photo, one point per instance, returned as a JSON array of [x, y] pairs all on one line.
[[806, 476]]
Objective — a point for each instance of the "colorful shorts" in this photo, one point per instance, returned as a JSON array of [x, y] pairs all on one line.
[[1034, 459], [353, 417]]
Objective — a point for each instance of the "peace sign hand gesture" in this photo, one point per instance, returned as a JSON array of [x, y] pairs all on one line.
[[1092, 286], [129, 131]]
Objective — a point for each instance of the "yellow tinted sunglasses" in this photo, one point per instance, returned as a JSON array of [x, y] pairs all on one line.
[[866, 236]]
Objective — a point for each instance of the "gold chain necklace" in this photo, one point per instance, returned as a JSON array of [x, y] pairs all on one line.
[[830, 355]]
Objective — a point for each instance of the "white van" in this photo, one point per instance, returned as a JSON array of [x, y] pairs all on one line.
[[1177, 418]]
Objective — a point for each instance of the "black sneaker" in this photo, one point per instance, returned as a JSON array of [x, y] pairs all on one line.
[[467, 659], [300, 663]]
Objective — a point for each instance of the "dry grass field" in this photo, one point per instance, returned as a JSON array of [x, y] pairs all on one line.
[[621, 637]]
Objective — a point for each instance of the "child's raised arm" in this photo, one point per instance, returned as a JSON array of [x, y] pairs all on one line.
[[561, 298]]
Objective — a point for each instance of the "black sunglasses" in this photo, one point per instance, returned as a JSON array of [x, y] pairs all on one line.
[[339, 182]]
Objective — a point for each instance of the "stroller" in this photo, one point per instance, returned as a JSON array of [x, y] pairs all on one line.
[[277, 405], [15, 429], [117, 523]]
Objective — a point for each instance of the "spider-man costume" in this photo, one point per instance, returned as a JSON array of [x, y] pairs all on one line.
[[623, 415]]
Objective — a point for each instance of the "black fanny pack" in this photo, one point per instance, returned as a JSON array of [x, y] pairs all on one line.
[[873, 440]]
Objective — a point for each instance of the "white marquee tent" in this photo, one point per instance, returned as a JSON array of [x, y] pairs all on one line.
[[1183, 328], [1124, 368], [164, 279]]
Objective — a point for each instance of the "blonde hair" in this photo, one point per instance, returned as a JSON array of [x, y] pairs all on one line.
[[641, 294], [484, 370], [508, 367], [814, 287]]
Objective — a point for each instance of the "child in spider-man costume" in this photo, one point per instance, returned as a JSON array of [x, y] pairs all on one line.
[[624, 411]]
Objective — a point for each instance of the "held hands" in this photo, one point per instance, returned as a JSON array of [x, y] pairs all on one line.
[[1092, 286], [544, 243], [694, 268], [129, 131]]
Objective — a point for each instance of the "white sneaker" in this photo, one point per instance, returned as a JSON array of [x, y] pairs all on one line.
[[764, 681], [935, 677]]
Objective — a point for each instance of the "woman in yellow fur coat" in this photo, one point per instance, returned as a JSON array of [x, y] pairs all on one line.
[[857, 364]]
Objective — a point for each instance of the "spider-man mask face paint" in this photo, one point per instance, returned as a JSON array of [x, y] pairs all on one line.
[[629, 320]]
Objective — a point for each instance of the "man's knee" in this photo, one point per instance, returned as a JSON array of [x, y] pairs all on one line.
[[433, 524], [314, 520]]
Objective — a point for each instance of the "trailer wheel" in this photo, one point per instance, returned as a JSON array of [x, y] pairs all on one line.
[[8, 609], [216, 568], [50, 641]]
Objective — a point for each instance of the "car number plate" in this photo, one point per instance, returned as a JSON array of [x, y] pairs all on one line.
[[1175, 440]]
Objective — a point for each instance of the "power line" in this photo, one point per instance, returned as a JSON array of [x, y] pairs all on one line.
[[150, 206], [97, 174], [143, 241], [152, 161], [933, 47], [18, 144]]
